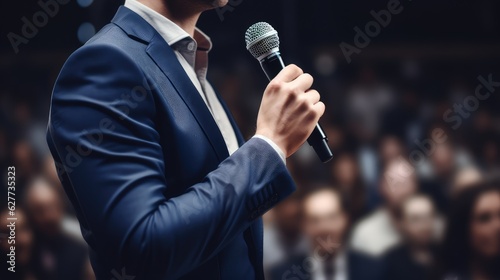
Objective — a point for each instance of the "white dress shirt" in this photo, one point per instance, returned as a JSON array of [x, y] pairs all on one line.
[[192, 54]]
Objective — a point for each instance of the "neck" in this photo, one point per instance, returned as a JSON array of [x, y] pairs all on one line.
[[421, 254], [180, 13]]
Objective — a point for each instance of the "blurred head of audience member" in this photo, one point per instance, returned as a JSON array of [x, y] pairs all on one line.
[[23, 245], [443, 160], [377, 233], [471, 248], [413, 258], [45, 208], [325, 224], [390, 149], [346, 176], [326, 220], [398, 182], [464, 178], [417, 222], [56, 255], [25, 161]]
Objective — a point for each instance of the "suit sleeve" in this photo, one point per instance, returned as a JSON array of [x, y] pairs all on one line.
[[108, 149]]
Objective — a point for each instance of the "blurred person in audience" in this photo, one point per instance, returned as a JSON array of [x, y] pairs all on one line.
[[489, 153], [282, 236], [413, 259], [444, 167], [471, 249], [376, 233], [23, 246], [26, 162], [326, 223], [345, 171], [57, 255], [391, 148], [465, 178]]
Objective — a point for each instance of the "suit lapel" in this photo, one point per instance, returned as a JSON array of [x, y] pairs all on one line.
[[164, 57]]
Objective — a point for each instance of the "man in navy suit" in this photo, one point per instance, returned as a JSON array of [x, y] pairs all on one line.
[[162, 182]]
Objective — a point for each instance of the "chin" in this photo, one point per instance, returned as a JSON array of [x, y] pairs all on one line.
[[218, 3]]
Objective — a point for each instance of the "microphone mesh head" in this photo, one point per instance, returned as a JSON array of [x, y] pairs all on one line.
[[261, 38]]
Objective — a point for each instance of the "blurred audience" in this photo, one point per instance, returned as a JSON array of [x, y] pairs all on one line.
[[326, 223], [283, 235], [346, 177], [56, 255], [23, 245], [414, 258], [471, 249], [376, 233]]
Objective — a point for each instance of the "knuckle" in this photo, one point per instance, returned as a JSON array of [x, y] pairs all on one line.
[[309, 77], [275, 85], [311, 115], [304, 105], [296, 68], [293, 90], [292, 96]]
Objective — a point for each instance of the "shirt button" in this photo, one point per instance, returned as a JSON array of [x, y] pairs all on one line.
[[190, 46]]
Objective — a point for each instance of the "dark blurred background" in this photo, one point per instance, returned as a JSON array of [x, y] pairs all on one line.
[[412, 119]]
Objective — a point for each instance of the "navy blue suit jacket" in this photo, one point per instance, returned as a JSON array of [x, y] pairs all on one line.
[[147, 169]]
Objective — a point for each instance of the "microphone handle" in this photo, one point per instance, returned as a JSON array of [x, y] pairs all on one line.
[[272, 65]]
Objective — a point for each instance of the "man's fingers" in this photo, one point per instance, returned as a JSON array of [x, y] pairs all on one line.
[[313, 96], [319, 107], [302, 83], [289, 73]]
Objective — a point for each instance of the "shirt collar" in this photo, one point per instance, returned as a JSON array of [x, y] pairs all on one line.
[[169, 31]]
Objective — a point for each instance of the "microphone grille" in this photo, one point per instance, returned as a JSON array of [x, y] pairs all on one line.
[[261, 39]]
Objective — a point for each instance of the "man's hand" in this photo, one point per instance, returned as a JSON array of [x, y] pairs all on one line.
[[289, 109]]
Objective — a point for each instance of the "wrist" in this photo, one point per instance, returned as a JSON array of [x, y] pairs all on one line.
[[274, 142]]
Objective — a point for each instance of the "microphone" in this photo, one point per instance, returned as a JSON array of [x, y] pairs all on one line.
[[263, 43]]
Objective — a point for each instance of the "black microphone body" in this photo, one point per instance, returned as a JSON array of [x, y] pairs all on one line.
[[272, 64]]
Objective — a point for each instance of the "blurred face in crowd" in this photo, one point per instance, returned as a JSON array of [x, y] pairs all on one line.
[[345, 170], [24, 236], [418, 220], [397, 184], [390, 149], [485, 225], [325, 222], [443, 159], [23, 157], [45, 208], [464, 179]]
